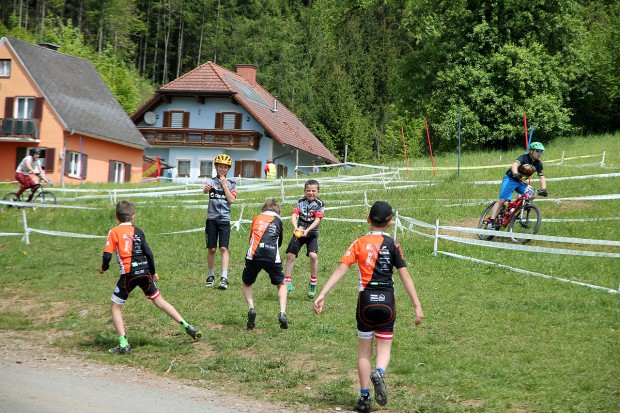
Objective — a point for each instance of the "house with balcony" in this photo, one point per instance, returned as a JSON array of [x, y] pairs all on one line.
[[212, 110], [61, 105]]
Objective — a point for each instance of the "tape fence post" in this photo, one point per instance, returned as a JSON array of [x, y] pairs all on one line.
[[436, 237], [282, 188], [26, 237], [603, 160]]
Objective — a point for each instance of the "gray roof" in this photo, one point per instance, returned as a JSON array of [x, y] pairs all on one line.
[[78, 94]]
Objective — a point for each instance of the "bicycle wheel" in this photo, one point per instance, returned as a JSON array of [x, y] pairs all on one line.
[[526, 221], [9, 197], [484, 221], [45, 197]]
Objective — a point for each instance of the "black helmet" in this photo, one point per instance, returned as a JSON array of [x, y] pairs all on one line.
[[36, 151]]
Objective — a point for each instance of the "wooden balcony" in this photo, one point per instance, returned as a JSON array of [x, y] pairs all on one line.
[[212, 138], [19, 129]]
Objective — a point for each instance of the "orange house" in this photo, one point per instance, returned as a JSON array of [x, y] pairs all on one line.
[[60, 104]]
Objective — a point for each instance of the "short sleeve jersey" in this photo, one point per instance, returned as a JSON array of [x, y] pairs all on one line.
[[376, 254], [308, 211], [265, 238], [133, 254], [219, 207], [22, 168], [527, 159]]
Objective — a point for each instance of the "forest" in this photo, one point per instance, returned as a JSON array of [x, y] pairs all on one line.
[[364, 74]]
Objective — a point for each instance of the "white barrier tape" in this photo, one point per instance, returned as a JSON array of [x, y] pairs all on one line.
[[586, 241], [9, 234], [38, 205], [529, 248], [182, 232], [580, 219], [64, 234], [535, 274], [417, 222], [591, 198], [415, 231]]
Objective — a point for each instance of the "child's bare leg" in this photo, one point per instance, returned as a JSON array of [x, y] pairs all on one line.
[[167, 308], [384, 350], [225, 260], [247, 293], [282, 295], [364, 353], [290, 264], [117, 318], [314, 266], [211, 259]]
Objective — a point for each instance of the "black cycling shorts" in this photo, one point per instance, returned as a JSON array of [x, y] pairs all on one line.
[[311, 242], [128, 282], [376, 310], [252, 268], [217, 229]]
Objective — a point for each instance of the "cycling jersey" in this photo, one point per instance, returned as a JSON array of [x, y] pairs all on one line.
[[219, 207], [265, 238], [376, 253], [133, 254], [308, 211], [22, 168], [527, 159]]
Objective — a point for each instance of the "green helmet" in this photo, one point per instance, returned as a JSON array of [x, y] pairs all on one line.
[[537, 145]]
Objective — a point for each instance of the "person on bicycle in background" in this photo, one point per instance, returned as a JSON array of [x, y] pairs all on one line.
[[522, 168], [29, 165]]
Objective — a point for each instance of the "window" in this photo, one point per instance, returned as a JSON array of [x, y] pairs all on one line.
[[206, 168], [5, 68], [119, 171], [24, 109], [176, 119], [248, 169], [183, 167], [75, 164], [228, 120]]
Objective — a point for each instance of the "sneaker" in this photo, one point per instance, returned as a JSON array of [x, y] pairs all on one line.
[[290, 287], [193, 332], [210, 281], [491, 226], [362, 405], [223, 283], [311, 290], [120, 350], [380, 390], [283, 321], [251, 319]]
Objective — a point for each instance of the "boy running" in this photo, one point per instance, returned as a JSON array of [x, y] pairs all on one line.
[[306, 217], [376, 253], [137, 267]]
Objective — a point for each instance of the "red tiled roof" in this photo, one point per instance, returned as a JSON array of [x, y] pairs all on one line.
[[283, 125]]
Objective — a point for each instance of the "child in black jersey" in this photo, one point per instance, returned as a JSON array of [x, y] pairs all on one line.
[[376, 254], [264, 254]]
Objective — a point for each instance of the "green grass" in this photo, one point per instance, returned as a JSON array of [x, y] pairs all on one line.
[[492, 340]]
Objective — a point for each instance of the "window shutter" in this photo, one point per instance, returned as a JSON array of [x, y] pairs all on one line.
[[38, 108], [127, 172], [238, 120], [238, 168], [257, 169], [21, 154], [84, 165], [50, 158], [8, 107], [67, 162], [219, 120], [186, 119], [110, 171], [166, 119]]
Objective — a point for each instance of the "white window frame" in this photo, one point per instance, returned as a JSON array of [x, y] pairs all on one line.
[[75, 165], [211, 171], [176, 119], [5, 67], [119, 172], [247, 169], [24, 107], [179, 171]]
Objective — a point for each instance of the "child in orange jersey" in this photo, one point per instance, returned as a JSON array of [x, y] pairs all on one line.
[[376, 253], [137, 267], [264, 254]]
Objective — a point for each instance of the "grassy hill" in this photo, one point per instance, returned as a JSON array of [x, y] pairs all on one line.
[[493, 339]]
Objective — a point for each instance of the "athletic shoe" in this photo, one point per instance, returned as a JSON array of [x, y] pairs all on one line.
[[491, 226], [120, 350], [363, 405], [290, 287], [311, 290], [193, 332], [380, 390], [223, 283], [283, 321], [251, 319], [210, 281]]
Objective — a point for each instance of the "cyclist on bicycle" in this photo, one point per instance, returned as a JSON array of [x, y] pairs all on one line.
[[29, 165], [521, 169]]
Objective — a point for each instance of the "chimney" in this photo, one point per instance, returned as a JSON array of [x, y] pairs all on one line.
[[248, 72], [50, 46], [275, 105]]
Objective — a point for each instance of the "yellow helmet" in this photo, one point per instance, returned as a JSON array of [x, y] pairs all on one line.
[[223, 159]]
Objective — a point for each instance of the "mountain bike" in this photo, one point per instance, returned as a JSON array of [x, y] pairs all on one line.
[[39, 195], [519, 216]]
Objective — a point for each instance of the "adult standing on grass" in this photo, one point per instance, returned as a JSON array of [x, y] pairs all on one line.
[[522, 168], [31, 164], [315, 168], [222, 194], [376, 253], [271, 171], [264, 254], [137, 267], [306, 217]]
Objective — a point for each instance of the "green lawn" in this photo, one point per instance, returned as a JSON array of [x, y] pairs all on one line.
[[493, 340]]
